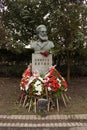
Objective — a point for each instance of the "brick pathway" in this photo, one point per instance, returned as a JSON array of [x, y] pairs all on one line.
[[26, 122]]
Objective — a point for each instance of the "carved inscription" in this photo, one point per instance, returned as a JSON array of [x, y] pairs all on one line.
[[41, 63]]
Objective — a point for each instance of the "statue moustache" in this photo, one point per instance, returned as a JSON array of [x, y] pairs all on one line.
[[43, 38]]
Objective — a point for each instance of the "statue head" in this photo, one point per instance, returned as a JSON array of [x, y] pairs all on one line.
[[42, 32]]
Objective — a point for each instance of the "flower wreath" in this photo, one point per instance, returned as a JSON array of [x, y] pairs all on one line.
[[25, 78], [54, 82], [36, 87]]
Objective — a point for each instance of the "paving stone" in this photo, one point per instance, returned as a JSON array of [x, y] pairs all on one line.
[[63, 122]]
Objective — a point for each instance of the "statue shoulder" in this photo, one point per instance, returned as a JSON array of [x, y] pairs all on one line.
[[33, 44], [51, 44]]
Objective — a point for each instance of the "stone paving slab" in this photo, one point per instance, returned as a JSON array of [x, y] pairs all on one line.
[[69, 122], [46, 125], [62, 128], [48, 117]]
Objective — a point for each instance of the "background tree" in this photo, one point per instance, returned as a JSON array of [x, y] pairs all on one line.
[[66, 21]]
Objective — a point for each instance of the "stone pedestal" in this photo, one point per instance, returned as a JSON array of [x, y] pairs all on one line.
[[41, 63]]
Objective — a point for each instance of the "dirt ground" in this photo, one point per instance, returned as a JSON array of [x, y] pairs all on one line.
[[77, 93]]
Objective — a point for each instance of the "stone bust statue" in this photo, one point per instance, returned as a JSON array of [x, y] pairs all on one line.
[[42, 44]]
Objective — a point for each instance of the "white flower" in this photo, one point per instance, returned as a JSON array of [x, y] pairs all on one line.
[[38, 87], [59, 80], [65, 90], [49, 89], [21, 88], [41, 79]]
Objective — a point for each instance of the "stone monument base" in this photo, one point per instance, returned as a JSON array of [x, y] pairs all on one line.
[[41, 63]]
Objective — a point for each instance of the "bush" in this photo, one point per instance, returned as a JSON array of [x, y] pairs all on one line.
[[76, 70], [17, 70], [79, 70], [12, 70]]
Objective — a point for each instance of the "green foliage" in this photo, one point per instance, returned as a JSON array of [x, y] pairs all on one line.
[[67, 26], [58, 93], [12, 56], [12, 70], [22, 17], [2, 35], [66, 21], [17, 70], [79, 70]]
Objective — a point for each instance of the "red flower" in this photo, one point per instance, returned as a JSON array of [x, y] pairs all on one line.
[[44, 53], [51, 70], [46, 84], [27, 72], [52, 79], [55, 85]]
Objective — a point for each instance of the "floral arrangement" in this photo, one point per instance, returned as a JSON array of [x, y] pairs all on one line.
[[52, 84], [25, 78], [36, 87]]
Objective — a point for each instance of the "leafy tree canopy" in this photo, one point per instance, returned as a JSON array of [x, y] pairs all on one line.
[[66, 21]]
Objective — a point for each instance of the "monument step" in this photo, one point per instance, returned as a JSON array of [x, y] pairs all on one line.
[[44, 128], [53, 122], [39, 121]]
